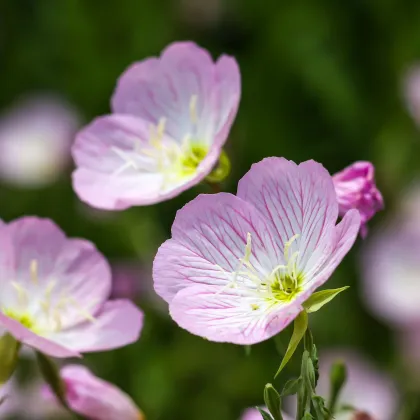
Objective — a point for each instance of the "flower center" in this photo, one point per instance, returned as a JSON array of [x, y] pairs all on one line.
[[43, 310], [192, 158], [282, 284], [24, 319], [175, 159]]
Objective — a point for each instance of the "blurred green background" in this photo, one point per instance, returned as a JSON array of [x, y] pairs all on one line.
[[321, 79]]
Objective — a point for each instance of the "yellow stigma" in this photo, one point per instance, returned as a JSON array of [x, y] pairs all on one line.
[[24, 319]]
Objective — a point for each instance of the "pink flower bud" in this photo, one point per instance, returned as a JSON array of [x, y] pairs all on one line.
[[95, 398], [355, 188]]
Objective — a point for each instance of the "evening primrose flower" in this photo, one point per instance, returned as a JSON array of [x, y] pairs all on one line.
[[55, 292], [356, 189], [36, 134], [239, 268], [95, 398], [172, 116]]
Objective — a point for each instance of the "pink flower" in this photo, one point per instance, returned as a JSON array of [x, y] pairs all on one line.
[[391, 266], [55, 291], [367, 389], [238, 268], [254, 414], [356, 189], [35, 139], [412, 92], [95, 398], [172, 116]]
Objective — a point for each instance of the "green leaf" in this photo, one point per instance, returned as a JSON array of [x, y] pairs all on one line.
[[300, 327], [9, 356], [272, 401], [318, 299], [52, 377], [291, 387], [264, 414]]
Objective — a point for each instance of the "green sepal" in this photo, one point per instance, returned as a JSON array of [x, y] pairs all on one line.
[[291, 387], [9, 356], [273, 401], [300, 327], [221, 171], [264, 414], [319, 409], [318, 299]]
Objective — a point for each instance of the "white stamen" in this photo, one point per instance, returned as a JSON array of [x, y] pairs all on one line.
[[193, 109], [33, 269]]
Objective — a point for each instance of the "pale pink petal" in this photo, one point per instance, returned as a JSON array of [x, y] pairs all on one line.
[[157, 88], [296, 199], [344, 236], [118, 324], [116, 168], [31, 339], [37, 256], [209, 236], [230, 315]]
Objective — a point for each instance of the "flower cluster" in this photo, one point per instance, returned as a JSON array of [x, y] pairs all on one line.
[[238, 268]]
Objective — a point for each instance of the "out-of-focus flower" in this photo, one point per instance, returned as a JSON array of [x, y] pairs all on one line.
[[412, 92], [391, 282], [370, 391], [95, 398], [55, 292], [356, 189], [254, 414], [35, 140], [172, 116], [238, 268], [202, 13]]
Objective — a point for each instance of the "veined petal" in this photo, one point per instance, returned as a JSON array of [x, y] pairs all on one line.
[[230, 316], [296, 199], [118, 324], [184, 77], [345, 234], [209, 237]]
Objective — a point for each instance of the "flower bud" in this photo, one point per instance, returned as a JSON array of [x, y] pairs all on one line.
[[355, 188], [95, 398], [272, 401]]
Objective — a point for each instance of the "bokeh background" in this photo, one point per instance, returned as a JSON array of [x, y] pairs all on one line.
[[321, 80]]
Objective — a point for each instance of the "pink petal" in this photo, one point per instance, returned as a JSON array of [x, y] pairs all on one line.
[[114, 173], [209, 236], [95, 398], [228, 316], [344, 237], [118, 324], [296, 199], [156, 88], [71, 268], [44, 345]]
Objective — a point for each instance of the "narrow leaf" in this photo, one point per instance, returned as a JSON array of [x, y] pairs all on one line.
[[9, 352], [318, 299], [300, 326], [291, 387]]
